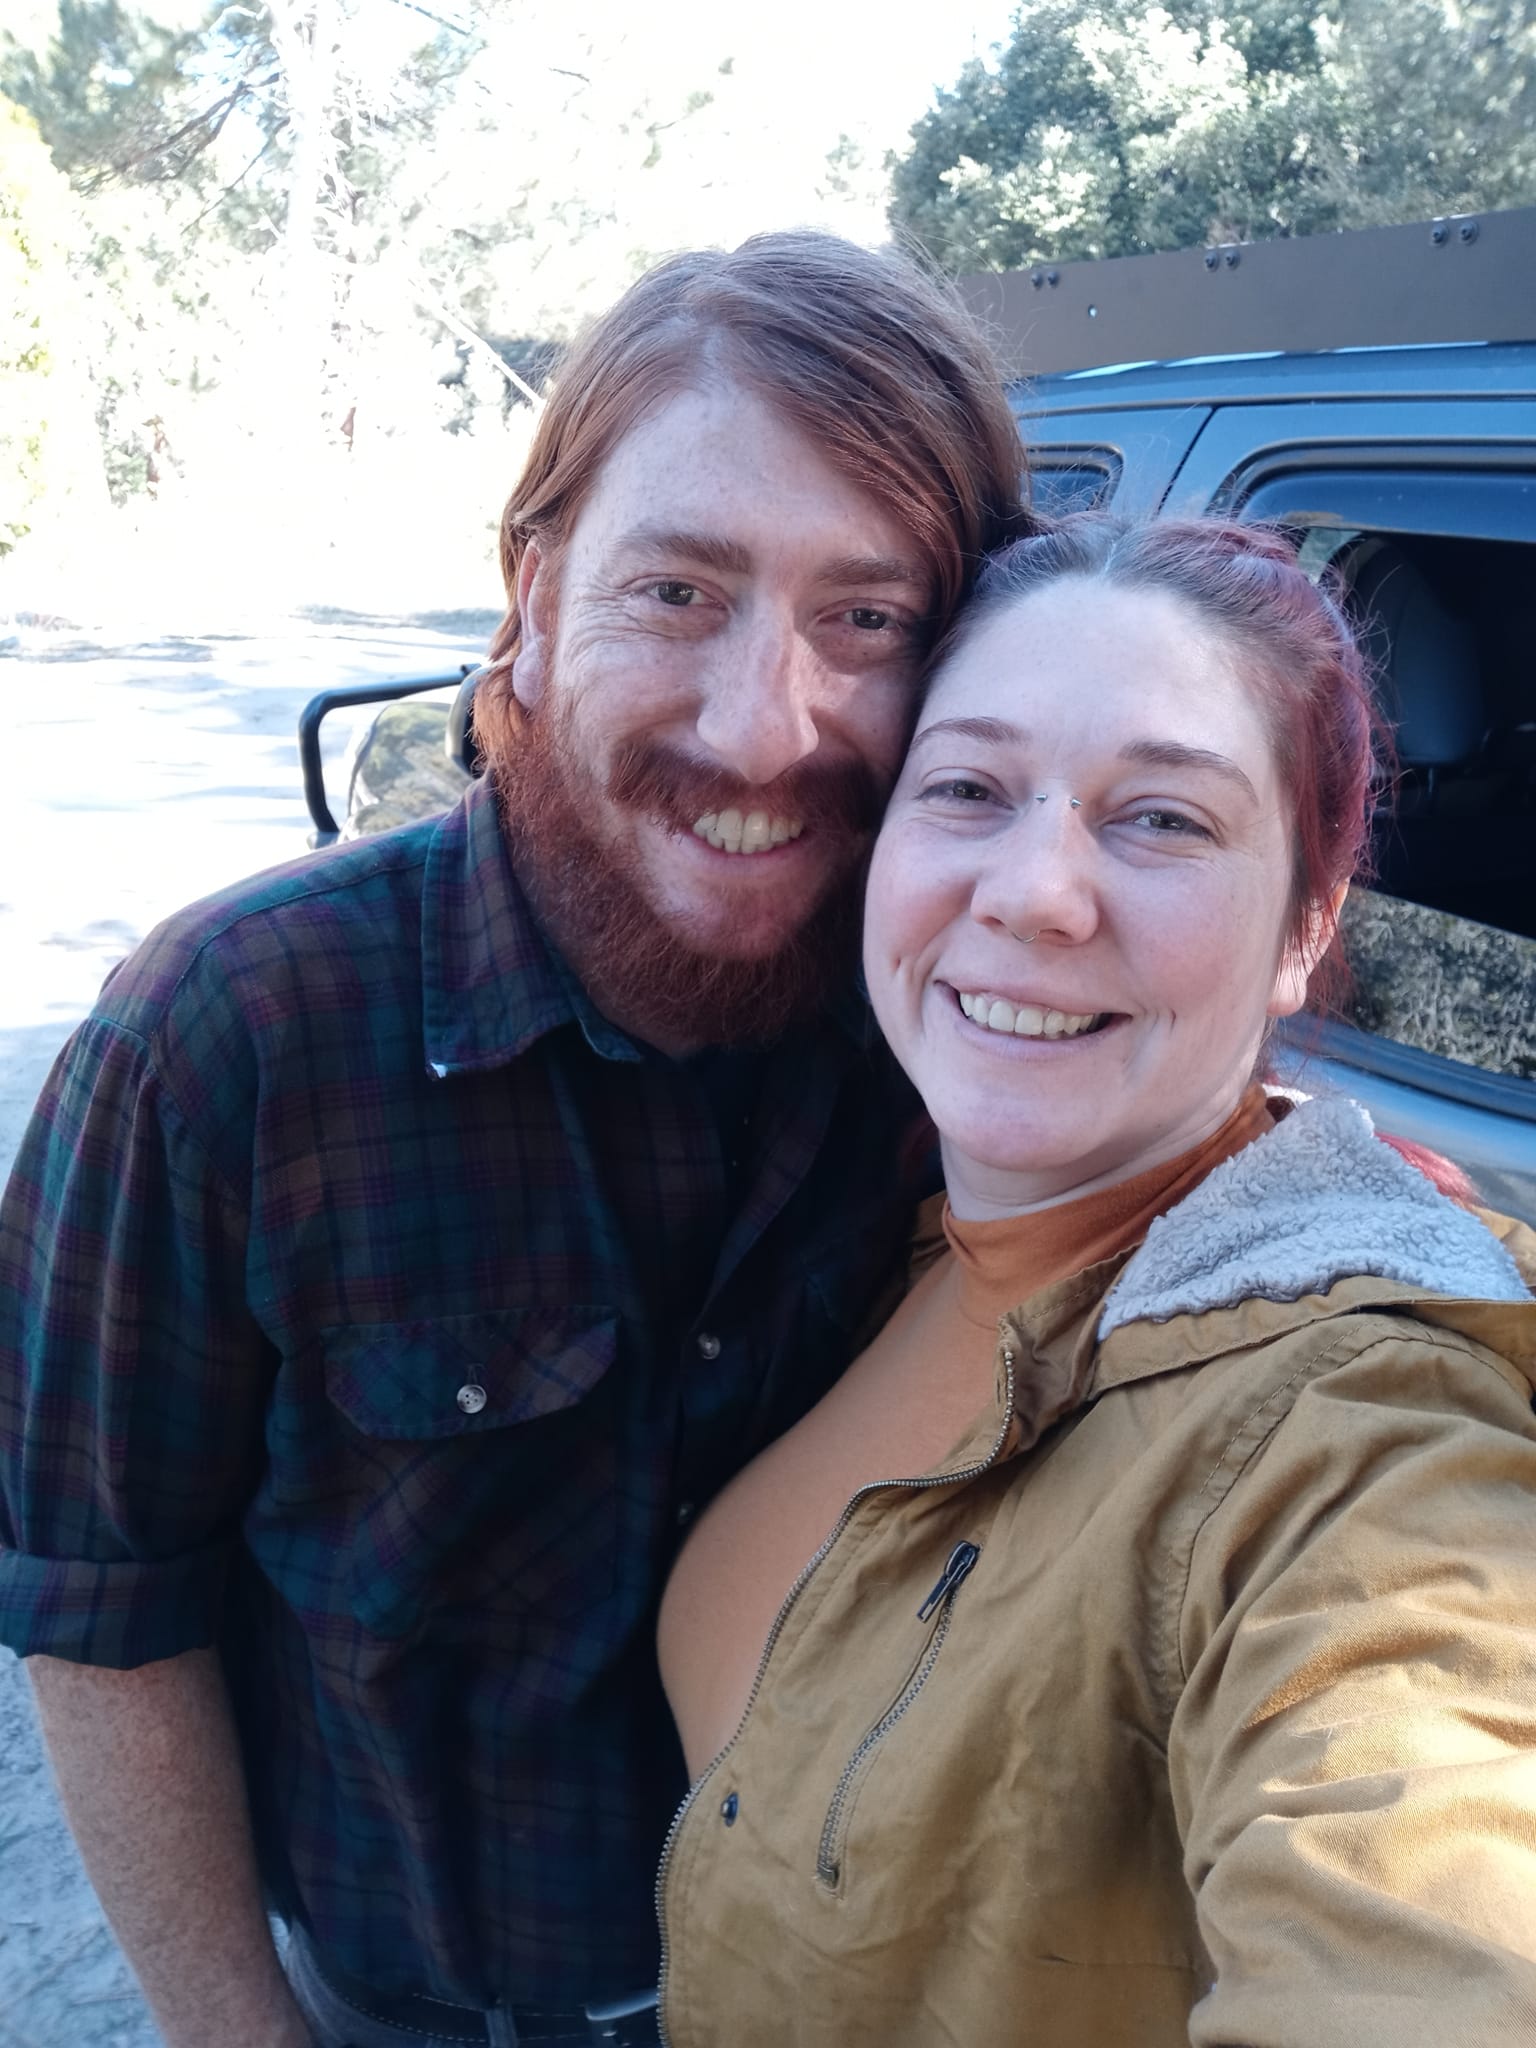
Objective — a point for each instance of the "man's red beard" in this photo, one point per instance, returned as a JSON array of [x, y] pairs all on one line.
[[638, 968]]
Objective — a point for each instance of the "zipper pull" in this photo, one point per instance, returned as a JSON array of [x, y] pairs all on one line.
[[961, 1558]]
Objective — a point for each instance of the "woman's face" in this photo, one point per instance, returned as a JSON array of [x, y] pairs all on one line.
[[1077, 906]]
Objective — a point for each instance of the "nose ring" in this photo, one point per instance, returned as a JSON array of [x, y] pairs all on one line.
[[1031, 939]]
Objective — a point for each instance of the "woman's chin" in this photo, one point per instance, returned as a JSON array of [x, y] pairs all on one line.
[[1024, 1165]]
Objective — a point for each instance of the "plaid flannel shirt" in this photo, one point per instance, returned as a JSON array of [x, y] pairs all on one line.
[[374, 1310]]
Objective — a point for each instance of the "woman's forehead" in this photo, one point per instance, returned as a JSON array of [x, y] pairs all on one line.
[[1092, 655]]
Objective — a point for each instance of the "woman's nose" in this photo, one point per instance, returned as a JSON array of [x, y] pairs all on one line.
[[1040, 877]]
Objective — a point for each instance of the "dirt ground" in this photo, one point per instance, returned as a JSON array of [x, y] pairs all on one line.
[[136, 778]]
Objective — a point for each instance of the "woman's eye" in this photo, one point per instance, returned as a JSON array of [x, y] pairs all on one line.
[[869, 618], [1174, 822], [958, 789], [675, 593]]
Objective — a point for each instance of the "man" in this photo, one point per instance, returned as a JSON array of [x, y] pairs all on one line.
[[415, 1236]]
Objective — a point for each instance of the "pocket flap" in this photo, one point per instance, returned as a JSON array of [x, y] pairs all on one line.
[[425, 1378]]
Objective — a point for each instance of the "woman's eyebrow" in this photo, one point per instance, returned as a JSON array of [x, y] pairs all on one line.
[[999, 732], [988, 732], [1177, 754]]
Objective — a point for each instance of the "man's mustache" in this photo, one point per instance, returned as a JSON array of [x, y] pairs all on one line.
[[841, 796]]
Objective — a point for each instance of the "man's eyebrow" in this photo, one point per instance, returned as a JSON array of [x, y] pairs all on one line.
[[714, 551], [872, 569], [988, 732], [709, 550], [1176, 754]]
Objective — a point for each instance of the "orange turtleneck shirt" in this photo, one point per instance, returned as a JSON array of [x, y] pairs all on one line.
[[900, 1407]]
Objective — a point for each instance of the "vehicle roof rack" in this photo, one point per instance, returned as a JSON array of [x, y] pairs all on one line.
[[1467, 277]]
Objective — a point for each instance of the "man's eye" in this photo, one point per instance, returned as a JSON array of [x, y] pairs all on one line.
[[675, 593], [869, 618]]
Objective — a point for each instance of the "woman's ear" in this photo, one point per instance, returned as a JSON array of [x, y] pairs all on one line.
[[536, 625], [1299, 960]]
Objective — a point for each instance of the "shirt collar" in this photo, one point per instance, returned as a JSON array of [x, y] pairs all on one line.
[[492, 983]]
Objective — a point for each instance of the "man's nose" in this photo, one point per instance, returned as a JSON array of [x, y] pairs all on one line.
[[758, 715], [1041, 878]]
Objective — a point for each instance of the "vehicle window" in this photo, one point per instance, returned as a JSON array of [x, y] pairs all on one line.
[[1442, 583], [1082, 482], [1472, 504]]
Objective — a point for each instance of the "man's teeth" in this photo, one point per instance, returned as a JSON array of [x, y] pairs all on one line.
[[1024, 1020], [756, 832]]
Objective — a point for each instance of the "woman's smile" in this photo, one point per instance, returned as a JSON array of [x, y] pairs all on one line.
[[1038, 1020]]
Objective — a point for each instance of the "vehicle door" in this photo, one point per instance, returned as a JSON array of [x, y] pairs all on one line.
[[1424, 510]]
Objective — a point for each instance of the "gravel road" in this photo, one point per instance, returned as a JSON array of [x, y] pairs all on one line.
[[136, 778]]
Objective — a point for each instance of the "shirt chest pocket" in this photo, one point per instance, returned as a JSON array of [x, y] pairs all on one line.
[[482, 1460]]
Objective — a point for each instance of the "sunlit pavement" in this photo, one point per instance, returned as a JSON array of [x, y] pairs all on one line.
[[135, 779]]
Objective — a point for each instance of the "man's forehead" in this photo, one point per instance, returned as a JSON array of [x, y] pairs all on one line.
[[721, 465]]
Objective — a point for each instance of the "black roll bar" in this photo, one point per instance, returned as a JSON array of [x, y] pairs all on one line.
[[326, 830]]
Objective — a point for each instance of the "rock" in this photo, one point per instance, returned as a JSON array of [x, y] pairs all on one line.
[[400, 771], [1442, 984]]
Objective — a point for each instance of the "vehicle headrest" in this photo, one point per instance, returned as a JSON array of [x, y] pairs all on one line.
[[1423, 658]]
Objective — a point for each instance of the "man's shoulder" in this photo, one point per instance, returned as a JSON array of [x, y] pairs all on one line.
[[276, 930]]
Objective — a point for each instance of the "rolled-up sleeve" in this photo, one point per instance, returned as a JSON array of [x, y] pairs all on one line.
[[133, 1376], [1354, 1752]]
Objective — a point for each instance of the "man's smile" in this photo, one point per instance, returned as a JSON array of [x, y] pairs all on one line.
[[732, 831]]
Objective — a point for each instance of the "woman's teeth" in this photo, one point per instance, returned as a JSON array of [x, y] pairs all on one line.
[[757, 832], [1024, 1020]]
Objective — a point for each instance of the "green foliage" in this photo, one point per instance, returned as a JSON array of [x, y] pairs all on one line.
[[118, 95], [300, 230], [1107, 128], [34, 225]]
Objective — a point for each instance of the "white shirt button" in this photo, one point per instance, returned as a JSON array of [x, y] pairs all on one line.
[[471, 1398], [709, 1345]]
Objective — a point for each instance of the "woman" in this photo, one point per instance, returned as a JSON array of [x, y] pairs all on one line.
[[1184, 1688]]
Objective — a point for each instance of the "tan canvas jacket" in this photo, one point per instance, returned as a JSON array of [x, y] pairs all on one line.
[[1194, 1698]]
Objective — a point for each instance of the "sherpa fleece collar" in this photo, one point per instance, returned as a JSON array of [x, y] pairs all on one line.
[[1318, 1200]]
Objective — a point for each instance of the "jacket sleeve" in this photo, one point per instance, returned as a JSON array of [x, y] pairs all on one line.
[[1353, 1754], [132, 1377]]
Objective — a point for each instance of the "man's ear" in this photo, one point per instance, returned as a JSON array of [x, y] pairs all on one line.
[[1299, 960], [536, 616]]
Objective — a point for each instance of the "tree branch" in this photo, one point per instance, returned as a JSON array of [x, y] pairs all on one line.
[[235, 182], [457, 324], [455, 28]]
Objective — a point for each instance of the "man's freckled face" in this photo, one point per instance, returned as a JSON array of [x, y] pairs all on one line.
[[729, 599]]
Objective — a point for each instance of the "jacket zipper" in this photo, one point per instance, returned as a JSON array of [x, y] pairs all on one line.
[[968, 1472], [941, 1601]]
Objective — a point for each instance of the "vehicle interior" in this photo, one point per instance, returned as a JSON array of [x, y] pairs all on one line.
[[1449, 626], [1442, 950]]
